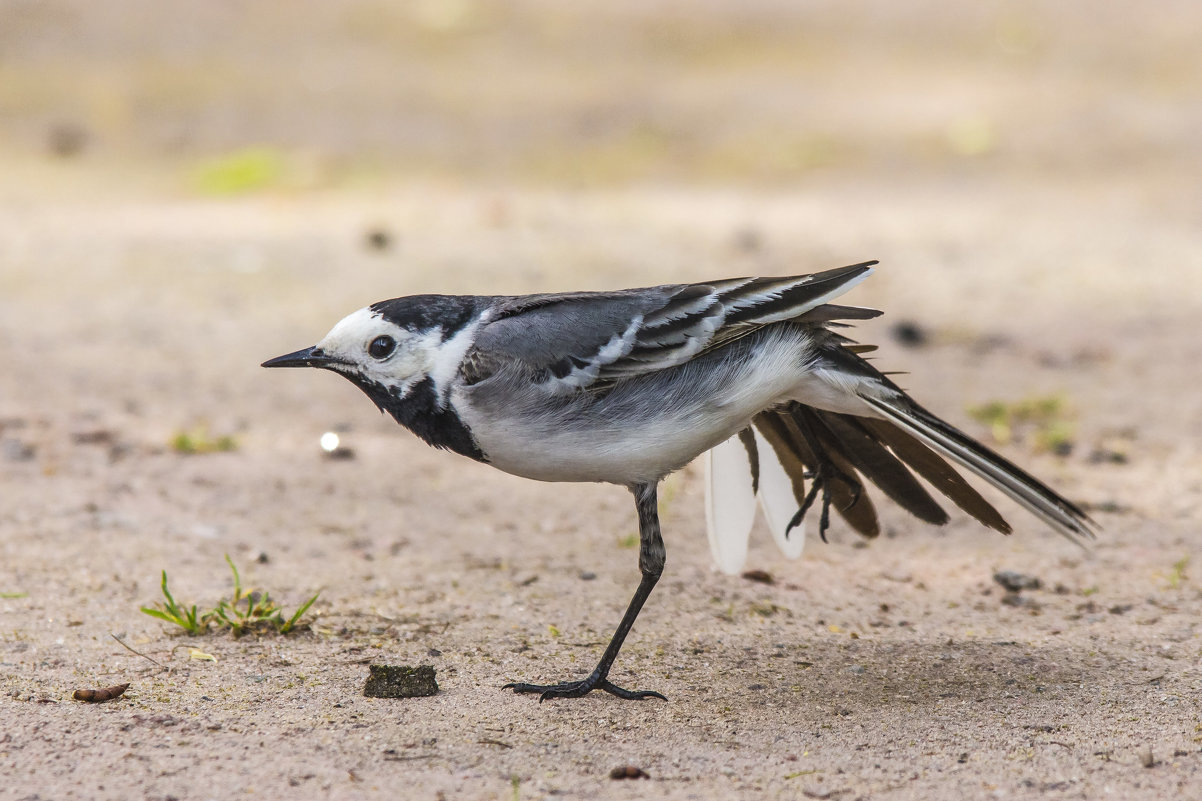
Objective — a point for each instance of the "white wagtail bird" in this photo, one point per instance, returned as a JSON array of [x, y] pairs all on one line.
[[626, 387]]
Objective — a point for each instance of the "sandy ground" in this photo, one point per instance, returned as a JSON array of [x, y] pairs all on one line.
[[132, 309]]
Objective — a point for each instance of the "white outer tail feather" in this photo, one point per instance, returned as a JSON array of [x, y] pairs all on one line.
[[730, 502], [777, 501]]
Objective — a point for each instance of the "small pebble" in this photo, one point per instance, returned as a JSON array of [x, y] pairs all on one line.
[[628, 772], [15, 450], [1147, 759], [761, 576], [910, 334], [748, 240], [66, 139], [1108, 507], [1014, 581], [377, 239], [1107, 456], [1014, 599], [400, 681], [101, 695], [98, 436]]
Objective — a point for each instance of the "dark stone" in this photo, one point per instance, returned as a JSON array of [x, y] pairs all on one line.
[[910, 334], [400, 681], [1013, 581], [377, 239], [66, 139]]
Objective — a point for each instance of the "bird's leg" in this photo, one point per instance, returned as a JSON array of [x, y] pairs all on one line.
[[651, 564], [824, 472]]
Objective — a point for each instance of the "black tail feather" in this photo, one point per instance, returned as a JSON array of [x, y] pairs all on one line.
[[1038, 498], [870, 456], [881, 452], [782, 430], [937, 472]]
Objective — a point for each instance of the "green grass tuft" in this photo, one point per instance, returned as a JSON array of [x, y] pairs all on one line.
[[1178, 575], [247, 611], [250, 170], [1048, 420], [198, 440]]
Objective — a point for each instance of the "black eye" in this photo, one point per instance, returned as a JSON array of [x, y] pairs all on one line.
[[381, 347]]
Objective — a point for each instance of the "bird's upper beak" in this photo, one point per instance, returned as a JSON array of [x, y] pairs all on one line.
[[308, 357]]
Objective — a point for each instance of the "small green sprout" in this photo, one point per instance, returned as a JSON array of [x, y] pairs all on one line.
[[252, 610], [1048, 419], [247, 611], [186, 618], [1178, 575], [249, 170], [198, 440]]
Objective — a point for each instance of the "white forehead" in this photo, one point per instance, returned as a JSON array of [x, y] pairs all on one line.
[[357, 329]]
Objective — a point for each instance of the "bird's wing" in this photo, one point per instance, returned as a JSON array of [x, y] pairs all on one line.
[[565, 339], [590, 340]]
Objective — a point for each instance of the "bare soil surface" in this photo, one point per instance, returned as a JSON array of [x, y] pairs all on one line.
[[1027, 175]]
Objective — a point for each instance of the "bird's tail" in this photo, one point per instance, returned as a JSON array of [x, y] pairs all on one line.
[[922, 427], [906, 443]]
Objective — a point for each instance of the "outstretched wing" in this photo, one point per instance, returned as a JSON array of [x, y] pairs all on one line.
[[590, 340]]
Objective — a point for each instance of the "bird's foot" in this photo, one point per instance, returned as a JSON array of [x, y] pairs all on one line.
[[578, 689], [820, 481]]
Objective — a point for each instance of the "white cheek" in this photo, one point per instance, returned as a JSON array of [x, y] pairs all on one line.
[[406, 365], [409, 365]]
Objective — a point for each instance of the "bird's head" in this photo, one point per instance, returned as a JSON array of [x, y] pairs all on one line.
[[373, 352], [391, 348]]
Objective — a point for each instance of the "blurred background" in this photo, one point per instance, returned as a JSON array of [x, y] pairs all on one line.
[[188, 188], [199, 164], [200, 185], [179, 179], [227, 97]]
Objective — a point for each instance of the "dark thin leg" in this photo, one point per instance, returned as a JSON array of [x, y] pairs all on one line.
[[823, 473], [651, 564]]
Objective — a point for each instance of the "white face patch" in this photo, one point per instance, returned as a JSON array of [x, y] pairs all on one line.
[[408, 363]]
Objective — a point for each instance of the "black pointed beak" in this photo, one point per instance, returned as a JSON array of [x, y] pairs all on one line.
[[308, 357]]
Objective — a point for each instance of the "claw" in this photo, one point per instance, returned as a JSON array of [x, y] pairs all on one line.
[[579, 689], [820, 479]]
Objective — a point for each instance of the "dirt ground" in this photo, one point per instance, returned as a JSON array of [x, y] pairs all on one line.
[[1026, 173]]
